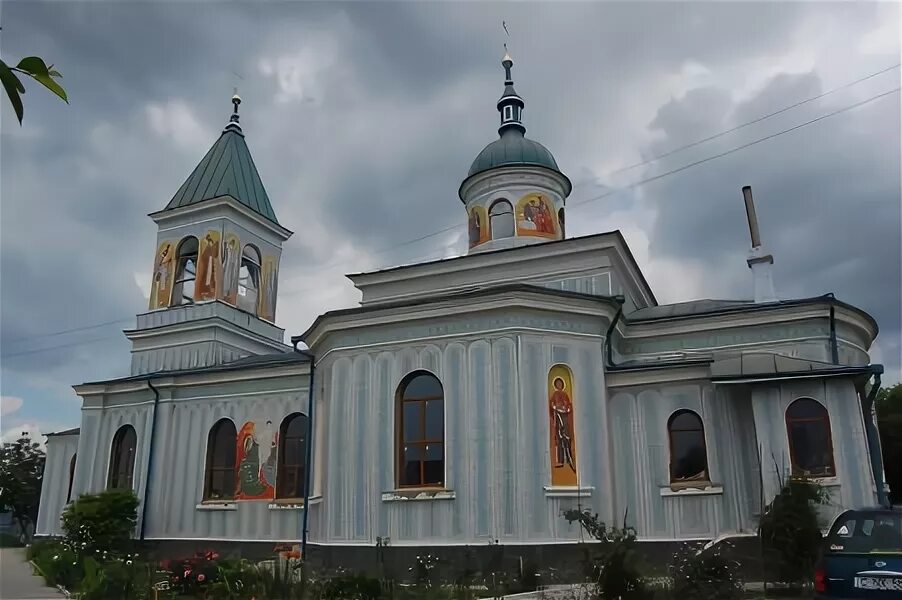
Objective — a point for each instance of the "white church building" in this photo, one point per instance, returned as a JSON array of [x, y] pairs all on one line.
[[465, 401]]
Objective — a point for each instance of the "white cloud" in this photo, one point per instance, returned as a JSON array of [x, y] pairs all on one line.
[[174, 120], [9, 405], [142, 281]]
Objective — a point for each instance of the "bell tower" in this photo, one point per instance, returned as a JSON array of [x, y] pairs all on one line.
[[216, 266]]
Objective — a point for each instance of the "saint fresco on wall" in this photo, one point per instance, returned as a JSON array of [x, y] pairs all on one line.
[[535, 216], [478, 226], [255, 461], [231, 262], [563, 432], [163, 273], [266, 307], [209, 269]]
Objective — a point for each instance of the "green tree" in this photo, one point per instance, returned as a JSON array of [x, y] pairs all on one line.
[[37, 69], [21, 472], [105, 521], [889, 422]]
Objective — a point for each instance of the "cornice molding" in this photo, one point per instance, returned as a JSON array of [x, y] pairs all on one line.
[[162, 217]]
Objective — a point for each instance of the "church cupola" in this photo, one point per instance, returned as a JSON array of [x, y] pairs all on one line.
[[514, 192], [216, 267]]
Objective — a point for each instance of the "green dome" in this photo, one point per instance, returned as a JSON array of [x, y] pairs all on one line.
[[512, 148]]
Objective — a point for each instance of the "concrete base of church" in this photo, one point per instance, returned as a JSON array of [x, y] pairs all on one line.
[[556, 563]]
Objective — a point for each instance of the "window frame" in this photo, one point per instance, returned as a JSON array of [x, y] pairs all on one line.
[[181, 267], [71, 476], [424, 442], [210, 468], [705, 478], [254, 274], [116, 449], [282, 464], [513, 220], [825, 418]]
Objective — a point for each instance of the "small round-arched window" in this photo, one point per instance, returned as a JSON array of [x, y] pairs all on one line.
[[688, 455], [501, 220], [249, 279], [122, 458], [186, 271], [421, 431], [810, 441]]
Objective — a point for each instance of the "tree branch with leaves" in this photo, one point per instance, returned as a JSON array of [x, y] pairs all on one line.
[[21, 472], [37, 69]]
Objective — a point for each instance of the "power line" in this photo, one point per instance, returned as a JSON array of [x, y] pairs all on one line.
[[73, 330], [737, 148], [60, 346], [572, 204], [752, 122]]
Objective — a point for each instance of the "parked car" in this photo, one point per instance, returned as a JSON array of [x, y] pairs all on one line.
[[862, 556]]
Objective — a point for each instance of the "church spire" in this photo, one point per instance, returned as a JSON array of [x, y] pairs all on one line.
[[234, 125], [510, 105]]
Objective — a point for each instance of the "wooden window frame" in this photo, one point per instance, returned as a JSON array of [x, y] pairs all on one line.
[[706, 477], [401, 443], [825, 418], [281, 464], [71, 477], [210, 469], [115, 459]]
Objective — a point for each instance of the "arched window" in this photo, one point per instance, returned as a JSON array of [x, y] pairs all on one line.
[[292, 457], [249, 279], [186, 272], [122, 458], [688, 455], [220, 476], [810, 441], [71, 478], [421, 431], [560, 219], [501, 220]]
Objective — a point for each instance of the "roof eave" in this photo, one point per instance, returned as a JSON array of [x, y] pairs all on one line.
[[568, 185]]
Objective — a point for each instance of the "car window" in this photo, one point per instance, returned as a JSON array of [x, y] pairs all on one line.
[[866, 532]]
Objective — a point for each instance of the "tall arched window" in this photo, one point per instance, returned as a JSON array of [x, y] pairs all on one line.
[[810, 441], [292, 457], [71, 478], [249, 279], [219, 483], [688, 454], [122, 458], [186, 271], [501, 220], [560, 219], [421, 431]]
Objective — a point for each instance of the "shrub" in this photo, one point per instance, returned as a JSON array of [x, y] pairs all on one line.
[[703, 573], [58, 564], [105, 521], [789, 529], [616, 571]]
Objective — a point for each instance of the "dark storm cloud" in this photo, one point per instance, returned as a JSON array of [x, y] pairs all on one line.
[[363, 119]]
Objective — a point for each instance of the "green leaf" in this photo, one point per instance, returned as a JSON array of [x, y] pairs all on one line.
[[34, 66], [13, 87], [39, 71]]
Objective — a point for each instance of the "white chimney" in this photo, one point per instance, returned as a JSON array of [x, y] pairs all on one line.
[[760, 262]]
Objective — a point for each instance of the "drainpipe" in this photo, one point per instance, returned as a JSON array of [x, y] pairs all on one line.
[[834, 349], [153, 429], [609, 352], [873, 436], [308, 459]]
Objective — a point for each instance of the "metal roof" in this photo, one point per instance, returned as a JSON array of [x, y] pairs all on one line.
[[512, 148], [226, 170], [74, 431], [685, 309]]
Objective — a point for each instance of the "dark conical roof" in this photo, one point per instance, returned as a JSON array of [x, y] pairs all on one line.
[[227, 169]]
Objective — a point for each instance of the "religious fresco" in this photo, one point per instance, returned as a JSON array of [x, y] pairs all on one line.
[[163, 274], [230, 255], [479, 226], [266, 300], [209, 268], [535, 216], [255, 461], [563, 433]]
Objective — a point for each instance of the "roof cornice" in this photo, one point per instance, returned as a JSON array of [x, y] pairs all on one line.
[[160, 217]]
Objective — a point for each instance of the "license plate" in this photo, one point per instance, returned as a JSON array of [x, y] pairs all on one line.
[[879, 583]]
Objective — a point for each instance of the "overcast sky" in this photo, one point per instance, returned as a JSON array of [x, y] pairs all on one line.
[[363, 119]]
